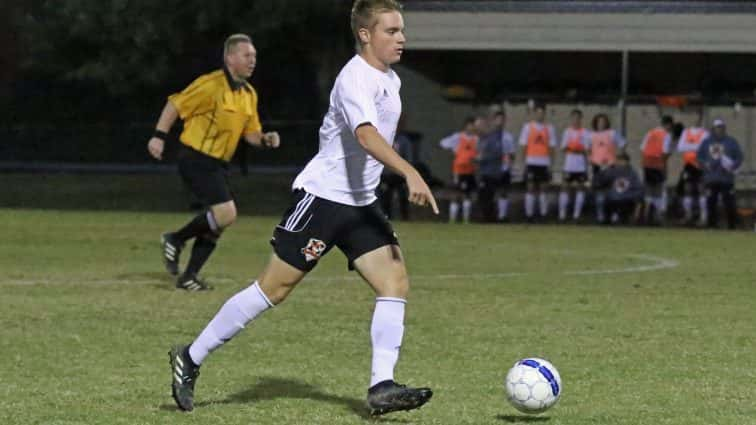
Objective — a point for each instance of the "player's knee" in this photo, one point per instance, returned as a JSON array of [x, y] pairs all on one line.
[[396, 286], [278, 290], [225, 215]]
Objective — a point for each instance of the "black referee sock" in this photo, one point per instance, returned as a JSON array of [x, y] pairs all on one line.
[[201, 250], [199, 225]]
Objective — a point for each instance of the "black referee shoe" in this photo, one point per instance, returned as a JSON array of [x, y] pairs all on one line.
[[171, 252], [184, 376], [388, 396]]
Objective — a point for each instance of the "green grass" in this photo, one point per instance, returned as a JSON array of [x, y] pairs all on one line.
[[87, 317]]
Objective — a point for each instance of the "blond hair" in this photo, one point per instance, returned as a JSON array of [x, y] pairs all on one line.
[[364, 12], [233, 40]]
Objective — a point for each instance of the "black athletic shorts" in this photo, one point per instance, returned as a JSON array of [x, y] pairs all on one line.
[[537, 174], [575, 177], [653, 176], [312, 226], [466, 183], [205, 176], [691, 174]]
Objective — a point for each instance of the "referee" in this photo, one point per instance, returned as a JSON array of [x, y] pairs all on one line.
[[218, 109]]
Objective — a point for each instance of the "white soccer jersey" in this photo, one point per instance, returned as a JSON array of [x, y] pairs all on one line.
[[342, 171], [576, 162]]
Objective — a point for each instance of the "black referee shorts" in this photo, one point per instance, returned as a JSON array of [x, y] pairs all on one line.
[[204, 176], [312, 226]]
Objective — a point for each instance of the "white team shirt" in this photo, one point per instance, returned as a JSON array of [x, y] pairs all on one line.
[[342, 171], [525, 134], [576, 162], [684, 146]]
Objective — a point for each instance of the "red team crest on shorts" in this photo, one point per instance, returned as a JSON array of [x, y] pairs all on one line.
[[314, 249]]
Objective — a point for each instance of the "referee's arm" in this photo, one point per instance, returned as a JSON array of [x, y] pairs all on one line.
[[270, 139], [157, 143]]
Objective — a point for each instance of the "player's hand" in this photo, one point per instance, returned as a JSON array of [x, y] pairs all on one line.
[[271, 139], [155, 146], [419, 192]]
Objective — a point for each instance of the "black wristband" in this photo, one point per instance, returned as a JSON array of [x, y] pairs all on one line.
[[160, 134]]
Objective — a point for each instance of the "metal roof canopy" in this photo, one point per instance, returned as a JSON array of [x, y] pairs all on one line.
[[581, 31], [584, 26]]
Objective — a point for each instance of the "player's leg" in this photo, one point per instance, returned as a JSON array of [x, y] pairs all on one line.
[[271, 288], [579, 196], [384, 270], [502, 201], [469, 189], [372, 249], [458, 189], [564, 197], [703, 208], [301, 238], [543, 200], [530, 187]]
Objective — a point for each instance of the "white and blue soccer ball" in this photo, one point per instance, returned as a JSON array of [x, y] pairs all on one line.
[[533, 385]]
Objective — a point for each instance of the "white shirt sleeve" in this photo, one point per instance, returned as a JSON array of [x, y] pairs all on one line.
[[524, 135], [682, 144], [450, 142], [565, 137], [619, 140], [354, 98], [508, 145], [552, 136], [667, 145], [587, 139]]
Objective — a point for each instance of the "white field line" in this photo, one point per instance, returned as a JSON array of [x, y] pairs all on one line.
[[654, 263]]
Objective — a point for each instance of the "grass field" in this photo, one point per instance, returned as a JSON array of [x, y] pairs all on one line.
[[646, 326]]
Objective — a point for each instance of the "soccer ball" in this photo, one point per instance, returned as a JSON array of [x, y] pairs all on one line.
[[533, 385]]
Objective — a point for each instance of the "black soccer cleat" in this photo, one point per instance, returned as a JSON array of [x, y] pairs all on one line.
[[192, 282], [184, 375], [388, 396], [171, 252]]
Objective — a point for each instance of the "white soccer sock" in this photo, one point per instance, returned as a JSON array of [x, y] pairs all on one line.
[[230, 319], [663, 201], [703, 209], [503, 205], [579, 201], [687, 203], [453, 211], [564, 202], [659, 205], [544, 203], [529, 204], [386, 333], [466, 209]]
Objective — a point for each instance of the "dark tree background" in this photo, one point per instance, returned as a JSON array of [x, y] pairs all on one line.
[[84, 80]]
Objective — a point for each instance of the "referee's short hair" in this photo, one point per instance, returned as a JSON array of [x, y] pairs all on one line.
[[233, 40]]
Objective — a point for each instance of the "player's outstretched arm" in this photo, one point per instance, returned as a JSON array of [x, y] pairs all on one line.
[[376, 146], [156, 144]]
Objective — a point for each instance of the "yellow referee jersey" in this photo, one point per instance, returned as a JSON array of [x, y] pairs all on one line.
[[217, 111]]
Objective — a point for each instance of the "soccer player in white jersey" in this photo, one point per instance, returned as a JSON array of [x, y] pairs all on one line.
[[335, 205], [576, 142], [691, 177]]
